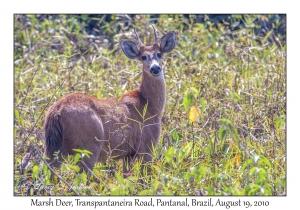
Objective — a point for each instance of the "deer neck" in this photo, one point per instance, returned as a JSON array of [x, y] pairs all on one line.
[[154, 91]]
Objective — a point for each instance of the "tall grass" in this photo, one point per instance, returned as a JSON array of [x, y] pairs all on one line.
[[224, 130]]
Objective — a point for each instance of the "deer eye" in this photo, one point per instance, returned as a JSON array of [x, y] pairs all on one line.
[[144, 57], [159, 55]]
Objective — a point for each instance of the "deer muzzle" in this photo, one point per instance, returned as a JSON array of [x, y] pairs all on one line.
[[155, 70]]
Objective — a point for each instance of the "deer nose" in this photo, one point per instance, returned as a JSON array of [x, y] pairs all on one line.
[[155, 70]]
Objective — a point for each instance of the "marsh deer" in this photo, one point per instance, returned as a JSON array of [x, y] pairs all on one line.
[[127, 127]]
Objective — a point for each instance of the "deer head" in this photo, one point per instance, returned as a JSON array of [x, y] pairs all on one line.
[[150, 56]]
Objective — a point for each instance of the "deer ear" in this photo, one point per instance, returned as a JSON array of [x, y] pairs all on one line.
[[130, 49], [167, 42]]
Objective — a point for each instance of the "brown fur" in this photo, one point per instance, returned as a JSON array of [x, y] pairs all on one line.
[[109, 128]]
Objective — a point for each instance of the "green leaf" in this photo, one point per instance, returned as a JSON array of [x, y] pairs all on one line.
[[119, 178], [155, 185], [83, 177], [22, 122], [252, 171], [222, 134], [80, 178], [237, 96], [17, 116], [253, 189], [45, 169], [280, 120], [235, 134], [188, 177], [144, 192], [203, 104], [157, 169], [166, 191], [78, 150], [87, 152], [265, 161], [129, 185], [35, 172], [169, 154], [49, 174], [195, 91], [248, 162], [77, 180], [132, 178], [267, 189], [184, 152], [112, 186], [262, 175], [31, 191], [76, 158], [116, 191], [84, 17], [74, 168], [226, 122], [175, 135], [187, 101]]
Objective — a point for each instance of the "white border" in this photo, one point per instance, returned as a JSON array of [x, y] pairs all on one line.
[[8, 8]]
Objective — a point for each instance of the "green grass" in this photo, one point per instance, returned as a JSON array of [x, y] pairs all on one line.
[[236, 82]]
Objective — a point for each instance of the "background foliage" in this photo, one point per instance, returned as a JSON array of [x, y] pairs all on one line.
[[224, 124]]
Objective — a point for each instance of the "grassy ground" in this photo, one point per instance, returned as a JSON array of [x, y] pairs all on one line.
[[223, 130]]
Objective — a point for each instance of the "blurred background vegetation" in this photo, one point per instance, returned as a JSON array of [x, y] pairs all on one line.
[[224, 124]]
